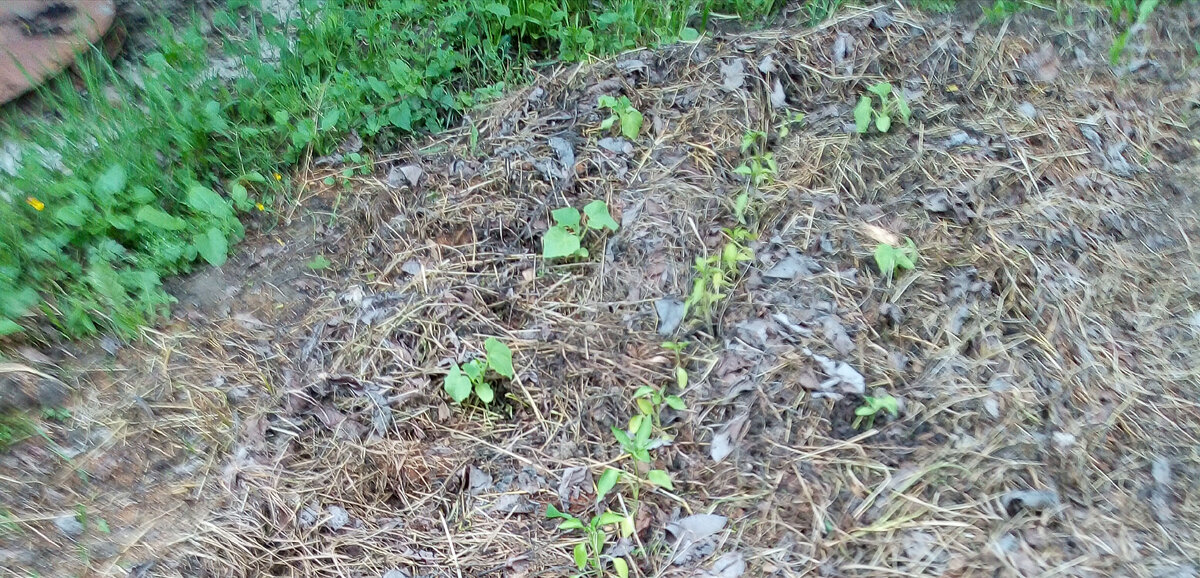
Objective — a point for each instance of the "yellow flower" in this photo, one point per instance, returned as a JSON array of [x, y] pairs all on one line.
[[278, 177], [260, 206], [36, 204]]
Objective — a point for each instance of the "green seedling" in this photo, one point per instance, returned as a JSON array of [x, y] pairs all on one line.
[[623, 111], [1143, 9], [753, 139], [761, 169], [565, 238], [785, 127], [891, 259], [473, 375], [589, 554], [872, 406], [715, 274], [891, 103], [59, 414]]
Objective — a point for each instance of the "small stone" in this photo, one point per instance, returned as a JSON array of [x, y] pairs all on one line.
[[338, 518], [69, 525], [1027, 110]]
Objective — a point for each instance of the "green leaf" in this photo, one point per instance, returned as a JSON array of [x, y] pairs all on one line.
[[559, 242], [864, 410], [553, 512], [599, 217], [688, 34], [102, 526], [483, 390], [608, 480], [318, 263], [643, 433], [607, 101], [111, 182], [620, 566], [204, 200], [608, 122], [457, 384], [571, 523], [499, 9], [681, 377], [885, 258], [902, 107], [739, 206], [8, 327], [609, 518], [580, 556], [643, 391], [631, 124], [862, 115], [330, 119], [675, 402], [883, 122], [239, 195], [566, 217], [635, 422], [660, 478], [401, 117], [156, 217], [212, 245], [882, 89], [499, 357], [622, 438]]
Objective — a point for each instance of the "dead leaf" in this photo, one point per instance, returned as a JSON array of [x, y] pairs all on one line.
[[1043, 64], [478, 481], [733, 74], [728, 436], [576, 482], [843, 45], [691, 532], [616, 145], [731, 565], [670, 314], [1032, 500], [840, 375], [880, 235], [767, 64], [836, 335], [514, 504], [778, 97]]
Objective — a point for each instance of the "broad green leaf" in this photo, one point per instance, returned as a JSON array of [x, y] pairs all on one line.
[[499, 9], [902, 107], [474, 369], [622, 438], [330, 119], [607, 101], [862, 115], [864, 410], [676, 403], [599, 217], [608, 122], [635, 422], [609, 518], [111, 182], [499, 357], [883, 122], [156, 217], [239, 195], [739, 206], [457, 385], [743, 170], [631, 124], [204, 200], [681, 377], [608, 480], [580, 556], [643, 433], [688, 34], [8, 327], [571, 523], [885, 258], [566, 217], [643, 391], [401, 117], [882, 89], [553, 512], [318, 263], [483, 390], [559, 242], [620, 566], [660, 478], [641, 455], [213, 246], [627, 527]]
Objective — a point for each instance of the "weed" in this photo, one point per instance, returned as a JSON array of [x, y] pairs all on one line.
[[318, 263], [1120, 10], [761, 169], [623, 111], [59, 414], [1001, 9], [565, 238], [590, 552], [714, 274], [936, 6], [872, 406], [891, 102], [784, 128], [891, 259], [473, 375]]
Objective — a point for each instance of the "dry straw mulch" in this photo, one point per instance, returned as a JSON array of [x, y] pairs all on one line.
[[1044, 349]]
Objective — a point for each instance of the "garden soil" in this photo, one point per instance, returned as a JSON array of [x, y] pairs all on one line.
[[289, 420]]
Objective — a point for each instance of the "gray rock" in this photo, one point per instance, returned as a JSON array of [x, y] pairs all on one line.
[[69, 525]]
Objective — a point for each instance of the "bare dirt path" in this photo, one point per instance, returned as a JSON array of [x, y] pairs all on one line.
[[1043, 350]]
